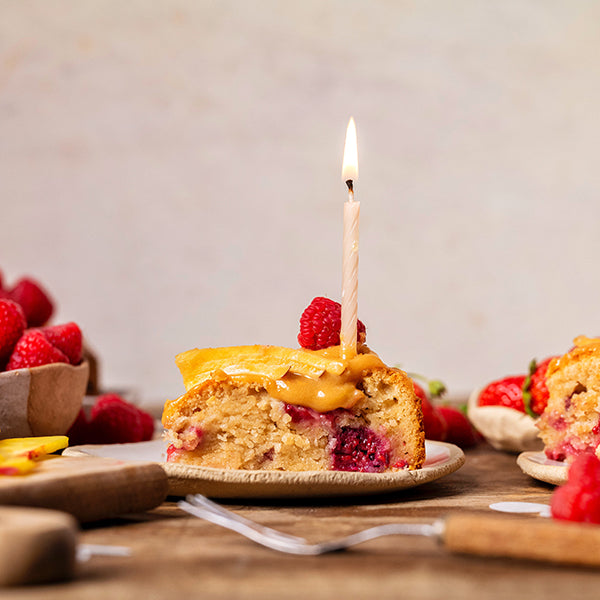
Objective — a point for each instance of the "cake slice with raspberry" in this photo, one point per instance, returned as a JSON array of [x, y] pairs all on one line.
[[273, 408], [570, 425]]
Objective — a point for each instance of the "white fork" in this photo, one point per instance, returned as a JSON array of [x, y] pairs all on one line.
[[202, 507]]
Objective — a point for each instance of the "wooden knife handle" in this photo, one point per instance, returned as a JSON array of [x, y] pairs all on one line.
[[532, 538], [36, 545]]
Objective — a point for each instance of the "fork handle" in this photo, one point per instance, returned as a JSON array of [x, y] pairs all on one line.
[[530, 538]]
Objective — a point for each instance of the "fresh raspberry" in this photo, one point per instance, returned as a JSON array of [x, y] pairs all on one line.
[[34, 300], [434, 422], [585, 471], [79, 432], [535, 391], [112, 420], [360, 449], [67, 338], [320, 325], [34, 350], [147, 421], [504, 392], [115, 421], [579, 498], [460, 431], [12, 326], [3, 291]]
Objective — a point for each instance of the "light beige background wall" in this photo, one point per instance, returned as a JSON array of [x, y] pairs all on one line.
[[171, 172]]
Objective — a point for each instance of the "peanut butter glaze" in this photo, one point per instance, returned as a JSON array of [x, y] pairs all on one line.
[[582, 345], [323, 393], [328, 391]]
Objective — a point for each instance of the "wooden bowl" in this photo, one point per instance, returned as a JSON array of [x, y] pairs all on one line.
[[42, 400]]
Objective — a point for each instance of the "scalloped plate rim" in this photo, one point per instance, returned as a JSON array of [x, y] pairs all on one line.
[[224, 483]]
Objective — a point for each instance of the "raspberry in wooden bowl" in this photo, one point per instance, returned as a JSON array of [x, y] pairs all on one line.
[[43, 376], [41, 401]]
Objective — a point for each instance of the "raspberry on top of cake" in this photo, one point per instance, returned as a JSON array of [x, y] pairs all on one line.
[[570, 424], [268, 407]]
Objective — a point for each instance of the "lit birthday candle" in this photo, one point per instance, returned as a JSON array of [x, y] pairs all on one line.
[[350, 246]]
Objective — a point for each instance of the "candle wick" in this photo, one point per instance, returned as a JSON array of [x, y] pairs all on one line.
[[350, 185]]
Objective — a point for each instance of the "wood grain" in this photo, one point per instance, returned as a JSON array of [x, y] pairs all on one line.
[[524, 538], [175, 555], [88, 488], [36, 546]]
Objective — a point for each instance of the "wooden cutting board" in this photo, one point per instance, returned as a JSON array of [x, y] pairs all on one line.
[[88, 488]]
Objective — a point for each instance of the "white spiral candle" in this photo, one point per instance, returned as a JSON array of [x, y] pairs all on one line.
[[350, 247]]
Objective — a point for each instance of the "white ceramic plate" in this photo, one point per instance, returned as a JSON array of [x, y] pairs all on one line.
[[538, 466], [441, 459]]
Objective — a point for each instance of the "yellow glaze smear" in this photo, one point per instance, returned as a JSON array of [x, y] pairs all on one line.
[[274, 362], [582, 345], [18, 455], [300, 384], [582, 341]]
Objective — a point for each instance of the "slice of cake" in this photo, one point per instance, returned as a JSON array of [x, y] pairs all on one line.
[[570, 424], [273, 408]]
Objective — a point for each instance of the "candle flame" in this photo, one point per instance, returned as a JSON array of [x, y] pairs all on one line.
[[350, 164]]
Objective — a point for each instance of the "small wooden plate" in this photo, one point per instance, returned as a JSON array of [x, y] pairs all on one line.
[[442, 459], [536, 465]]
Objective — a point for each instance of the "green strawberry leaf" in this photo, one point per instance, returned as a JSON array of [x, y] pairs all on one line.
[[527, 390], [437, 388]]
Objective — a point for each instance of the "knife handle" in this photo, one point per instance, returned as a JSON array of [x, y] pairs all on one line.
[[531, 538], [36, 545]]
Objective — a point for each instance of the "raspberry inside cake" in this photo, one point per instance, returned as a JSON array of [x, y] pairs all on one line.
[[570, 424], [282, 409]]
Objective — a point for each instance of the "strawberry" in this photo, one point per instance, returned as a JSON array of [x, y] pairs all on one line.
[[579, 498], [320, 325], [504, 392], [67, 338], [460, 431], [434, 423], [34, 350], [34, 300], [12, 325], [535, 392]]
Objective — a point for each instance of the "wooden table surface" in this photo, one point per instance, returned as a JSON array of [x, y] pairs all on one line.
[[177, 556]]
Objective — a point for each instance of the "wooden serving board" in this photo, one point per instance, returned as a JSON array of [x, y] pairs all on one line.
[[88, 488]]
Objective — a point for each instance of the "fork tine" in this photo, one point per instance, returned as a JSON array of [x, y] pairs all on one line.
[[257, 533], [201, 507], [199, 500]]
